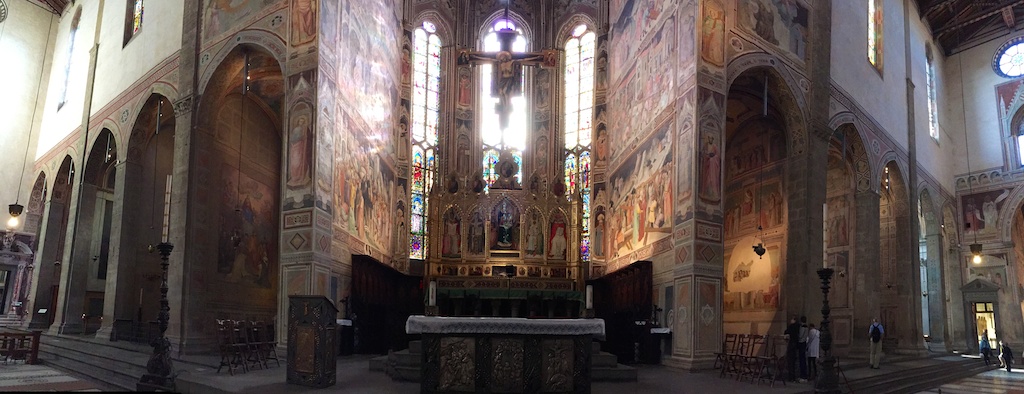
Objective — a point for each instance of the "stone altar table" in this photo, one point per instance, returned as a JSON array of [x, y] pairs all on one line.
[[505, 355]]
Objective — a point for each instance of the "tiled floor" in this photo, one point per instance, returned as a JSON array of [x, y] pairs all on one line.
[[994, 381], [24, 377]]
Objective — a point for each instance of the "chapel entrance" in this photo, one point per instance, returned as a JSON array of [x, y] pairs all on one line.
[[985, 321]]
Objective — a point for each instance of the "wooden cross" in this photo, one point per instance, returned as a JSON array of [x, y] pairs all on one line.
[[506, 81]]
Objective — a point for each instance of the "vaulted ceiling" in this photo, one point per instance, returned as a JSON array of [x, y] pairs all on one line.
[[961, 24]]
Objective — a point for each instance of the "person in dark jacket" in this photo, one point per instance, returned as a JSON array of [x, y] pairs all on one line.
[[985, 348], [793, 352]]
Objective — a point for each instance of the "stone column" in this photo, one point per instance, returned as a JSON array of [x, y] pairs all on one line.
[[46, 255], [75, 273], [866, 271], [118, 300], [186, 207]]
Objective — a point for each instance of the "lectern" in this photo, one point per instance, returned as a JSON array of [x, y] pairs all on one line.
[[312, 336]]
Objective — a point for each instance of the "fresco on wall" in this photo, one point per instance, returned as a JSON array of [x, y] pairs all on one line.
[[684, 158], [752, 282], [558, 237], [451, 239], [505, 226], [329, 24], [981, 212], [600, 232], [601, 142], [248, 229], [708, 315], [683, 317], [631, 20], [364, 186], [300, 146], [995, 274], [534, 234], [221, 15], [839, 297], [709, 182], [368, 72], [712, 43], [304, 21], [647, 89], [838, 229], [780, 22], [641, 189], [754, 147], [325, 166], [743, 211]]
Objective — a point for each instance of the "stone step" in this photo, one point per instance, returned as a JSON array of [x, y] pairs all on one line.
[[114, 372], [603, 360], [405, 374], [416, 346], [377, 364], [405, 358], [618, 373], [916, 379]]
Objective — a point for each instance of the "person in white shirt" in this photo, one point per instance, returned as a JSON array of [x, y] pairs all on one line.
[[813, 345]]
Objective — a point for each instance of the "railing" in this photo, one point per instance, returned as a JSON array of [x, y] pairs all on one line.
[[19, 345]]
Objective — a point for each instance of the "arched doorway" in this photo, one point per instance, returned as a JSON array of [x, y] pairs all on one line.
[[52, 241], [240, 143], [133, 281], [900, 267], [80, 308], [754, 203], [953, 275]]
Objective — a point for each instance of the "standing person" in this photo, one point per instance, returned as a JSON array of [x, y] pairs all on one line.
[[985, 347], [802, 348], [875, 334], [793, 335], [1005, 355], [813, 345]]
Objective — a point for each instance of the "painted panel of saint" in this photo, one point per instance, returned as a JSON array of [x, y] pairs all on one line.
[[534, 234], [505, 226], [558, 238], [451, 241], [476, 233]]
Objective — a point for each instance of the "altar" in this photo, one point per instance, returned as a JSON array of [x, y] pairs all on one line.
[[505, 355]]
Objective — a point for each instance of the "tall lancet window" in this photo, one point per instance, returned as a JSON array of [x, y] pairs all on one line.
[[875, 27], [496, 139], [75, 20], [579, 114], [426, 80], [933, 107]]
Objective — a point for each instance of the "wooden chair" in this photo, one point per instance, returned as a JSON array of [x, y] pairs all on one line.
[[780, 366], [728, 346], [733, 359], [750, 363], [232, 353]]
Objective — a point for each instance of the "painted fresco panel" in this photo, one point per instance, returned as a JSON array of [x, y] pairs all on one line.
[[743, 211], [752, 282], [687, 16], [712, 43], [711, 106], [682, 340], [247, 246], [839, 296], [631, 21], [838, 230], [782, 23], [684, 151], [709, 317], [304, 21], [221, 15], [981, 212], [364, 187], [641, 195], [647, 89]]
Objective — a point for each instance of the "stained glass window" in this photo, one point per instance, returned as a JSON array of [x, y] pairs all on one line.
[[579, 114], [875, 33], [71, 52], [933, 108], [137, 16], [1010, 59], [426, 84], [513, 138]]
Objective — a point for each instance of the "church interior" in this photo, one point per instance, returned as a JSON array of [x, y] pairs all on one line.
[[686, 165]]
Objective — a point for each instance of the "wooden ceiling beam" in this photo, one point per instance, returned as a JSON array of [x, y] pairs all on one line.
[[976, 17], [1008, 18]]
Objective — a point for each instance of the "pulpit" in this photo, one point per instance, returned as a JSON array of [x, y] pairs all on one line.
[[312, 336], [505, 355]]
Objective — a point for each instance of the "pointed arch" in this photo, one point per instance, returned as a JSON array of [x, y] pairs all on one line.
[[792, 101]]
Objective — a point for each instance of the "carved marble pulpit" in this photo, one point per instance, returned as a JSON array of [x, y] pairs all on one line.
[[505, 355]]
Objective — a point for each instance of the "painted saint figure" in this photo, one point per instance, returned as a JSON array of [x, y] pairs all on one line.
[[711, 172], [299, 153]]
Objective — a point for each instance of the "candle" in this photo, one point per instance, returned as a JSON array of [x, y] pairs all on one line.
[[432, 298], [590, 296], [167, 210]]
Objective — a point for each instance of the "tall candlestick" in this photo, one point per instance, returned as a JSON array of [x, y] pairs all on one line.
[[140, 296], [590, 296], [825, 235], [167, 210], [432, 298]]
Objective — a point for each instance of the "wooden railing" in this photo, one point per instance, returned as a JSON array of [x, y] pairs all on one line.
[[19, 345]]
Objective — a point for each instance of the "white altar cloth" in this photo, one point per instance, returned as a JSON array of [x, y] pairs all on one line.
[[503, 325]]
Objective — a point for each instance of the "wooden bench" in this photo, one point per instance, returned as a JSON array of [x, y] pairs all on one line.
[[19, 345]]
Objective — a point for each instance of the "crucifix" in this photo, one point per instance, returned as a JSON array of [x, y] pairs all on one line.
[[506, 80]]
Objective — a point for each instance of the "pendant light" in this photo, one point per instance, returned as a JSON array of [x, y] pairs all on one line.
[[976, 247], [236, 236], [759, 248]]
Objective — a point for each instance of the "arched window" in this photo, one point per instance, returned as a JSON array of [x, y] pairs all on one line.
[[133, 22], [426, 80], [75, 20], [875, 33], [933, 108], [512, 138], [579, 115]]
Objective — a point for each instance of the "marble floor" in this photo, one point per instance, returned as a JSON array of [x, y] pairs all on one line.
[[996, 381], [23, 377]]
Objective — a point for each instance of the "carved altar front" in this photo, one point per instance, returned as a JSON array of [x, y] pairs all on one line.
[[507, 250]]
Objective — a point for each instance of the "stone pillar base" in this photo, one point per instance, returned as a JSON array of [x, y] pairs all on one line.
[[702, 363]]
